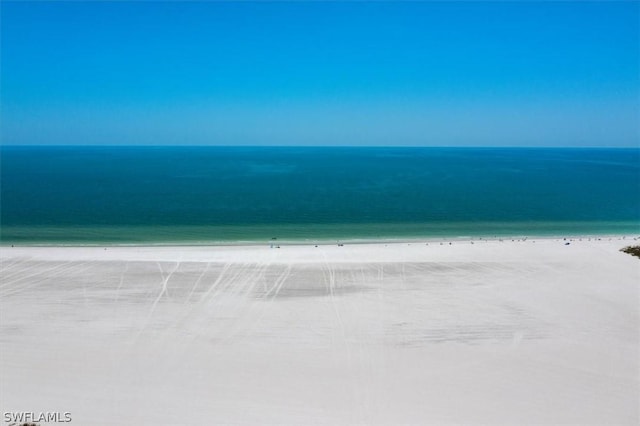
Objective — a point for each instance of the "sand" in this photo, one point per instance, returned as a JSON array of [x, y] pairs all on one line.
[[482, 332]]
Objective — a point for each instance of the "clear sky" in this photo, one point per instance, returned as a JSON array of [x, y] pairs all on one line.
[[309, 73]]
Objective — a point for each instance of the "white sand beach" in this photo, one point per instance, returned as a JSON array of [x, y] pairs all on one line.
[[476, 332]]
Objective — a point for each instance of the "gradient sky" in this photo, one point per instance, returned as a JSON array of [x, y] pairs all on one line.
[[304, 73]]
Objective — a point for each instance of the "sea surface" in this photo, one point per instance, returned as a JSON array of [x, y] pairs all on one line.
[[158, 195]]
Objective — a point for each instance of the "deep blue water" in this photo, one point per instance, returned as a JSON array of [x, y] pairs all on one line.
[[173, 194]]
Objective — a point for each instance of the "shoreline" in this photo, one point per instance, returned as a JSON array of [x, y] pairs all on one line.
[[346, 241], [548, 249], [143, 235]]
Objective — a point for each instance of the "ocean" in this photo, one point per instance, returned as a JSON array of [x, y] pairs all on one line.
[[192, 195]]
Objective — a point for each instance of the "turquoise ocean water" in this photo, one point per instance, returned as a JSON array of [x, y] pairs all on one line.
[[87, 195]]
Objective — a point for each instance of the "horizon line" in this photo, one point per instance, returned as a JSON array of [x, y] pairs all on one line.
[[308, 146]]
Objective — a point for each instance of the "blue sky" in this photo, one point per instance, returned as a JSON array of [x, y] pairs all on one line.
[[309, 73]]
